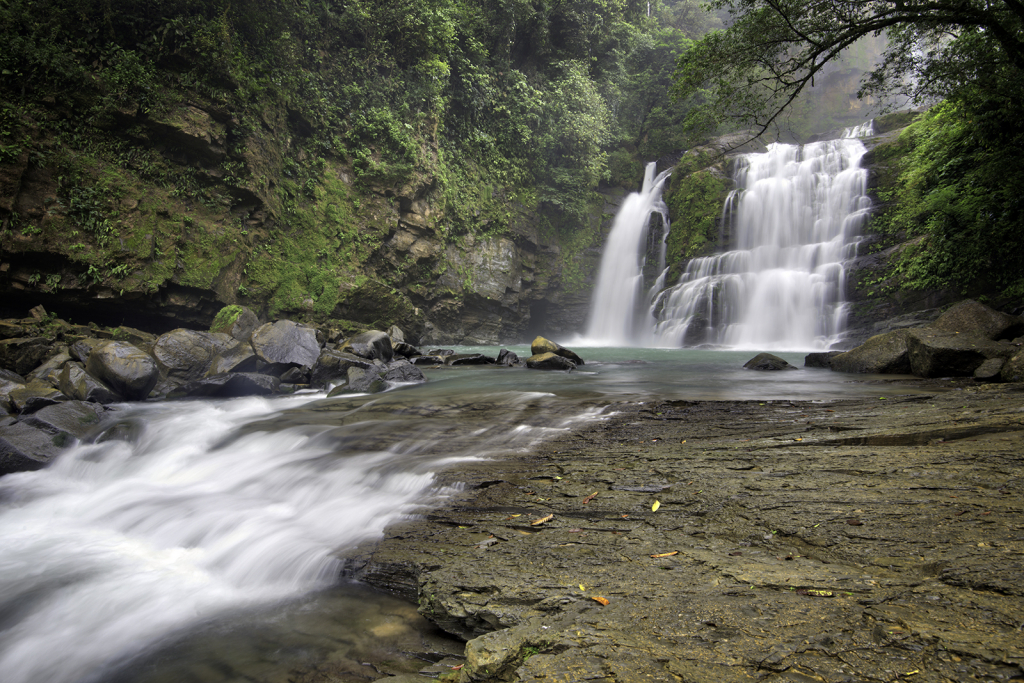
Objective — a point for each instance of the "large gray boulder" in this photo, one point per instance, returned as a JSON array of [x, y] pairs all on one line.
[[403, 371], [23, 354], [237, 322], [882, 354], [34, 396], [82, 348], [934, 353], [820, 359], [237, 358], [550, 361], [976, 319], [187, 354], [375, 345], [507, 358], [360, 381], [285, 344], [468, 359], [6, 387], [24, 448], [540, 346], [75, 420], [125, 368], [333, 365], [768, 362], [77, 384]]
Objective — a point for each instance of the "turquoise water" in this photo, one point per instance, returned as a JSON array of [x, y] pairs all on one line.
[[671, 374]]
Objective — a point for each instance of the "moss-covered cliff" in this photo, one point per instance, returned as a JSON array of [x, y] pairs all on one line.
[[434, 164]]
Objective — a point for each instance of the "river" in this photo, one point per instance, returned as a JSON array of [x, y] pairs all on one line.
[[197, 540]]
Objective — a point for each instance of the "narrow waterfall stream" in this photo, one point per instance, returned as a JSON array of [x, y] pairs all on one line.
[[619, 309], [794, 220]]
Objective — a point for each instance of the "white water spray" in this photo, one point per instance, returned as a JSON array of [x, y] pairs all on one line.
[[619, 314], [795, 219]]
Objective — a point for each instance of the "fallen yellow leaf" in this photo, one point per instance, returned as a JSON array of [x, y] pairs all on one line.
[[582, 588], [657, 504], [674, 552], [541, 520], [598, 598]]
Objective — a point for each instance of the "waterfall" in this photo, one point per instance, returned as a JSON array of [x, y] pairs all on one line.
[[619, 311], [793, 221]]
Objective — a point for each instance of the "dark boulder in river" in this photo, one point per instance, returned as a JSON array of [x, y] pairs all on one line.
[[285, 344], [540, 346], [768, 362], [550, 361]]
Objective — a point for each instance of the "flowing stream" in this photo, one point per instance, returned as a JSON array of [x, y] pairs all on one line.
[[198, 540]]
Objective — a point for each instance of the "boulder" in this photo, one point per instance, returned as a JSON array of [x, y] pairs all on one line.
[[362, 381], [976, 319], [231, 384], [506, 357], [373, 344], [881, 354], [443, 353], [237, 322], [187, 354], [822, 359], [28, 398], [768, 362], [541, 346], [237, 358], [75, 420], [1013, 368], [990, 370], [82, 348], [10, 376], [50, 370], [468, 359], [9, 330], [550, 361], [334, 365], [285, 344], [23, 354], [396, 334], [428, 360], [24, 448], [77, 384], [934, 353], [403, 371], [403, 349], [125, 368]]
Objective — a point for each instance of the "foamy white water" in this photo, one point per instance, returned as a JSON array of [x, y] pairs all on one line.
[[120, 545], [797, 214]]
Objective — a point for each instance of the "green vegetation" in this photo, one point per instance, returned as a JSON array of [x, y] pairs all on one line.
[[695, 203], [958, 185], [274, 145]]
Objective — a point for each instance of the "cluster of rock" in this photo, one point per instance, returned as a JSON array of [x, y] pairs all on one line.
[[968, 340], [56, 377]]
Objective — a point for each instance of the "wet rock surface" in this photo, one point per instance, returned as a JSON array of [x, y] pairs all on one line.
[[867, 539]]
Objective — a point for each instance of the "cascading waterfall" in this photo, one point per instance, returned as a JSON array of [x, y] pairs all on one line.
[[619, 311], [794, 222]]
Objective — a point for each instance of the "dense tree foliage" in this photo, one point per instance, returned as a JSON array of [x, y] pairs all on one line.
[[774, 49]]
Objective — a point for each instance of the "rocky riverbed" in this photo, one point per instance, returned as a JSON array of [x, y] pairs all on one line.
[[867, 539]]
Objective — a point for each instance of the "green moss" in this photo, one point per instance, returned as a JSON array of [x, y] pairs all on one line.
[[695, 203], [225, 318]]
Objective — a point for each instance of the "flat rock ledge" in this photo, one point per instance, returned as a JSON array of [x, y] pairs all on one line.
[[865, 539]]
